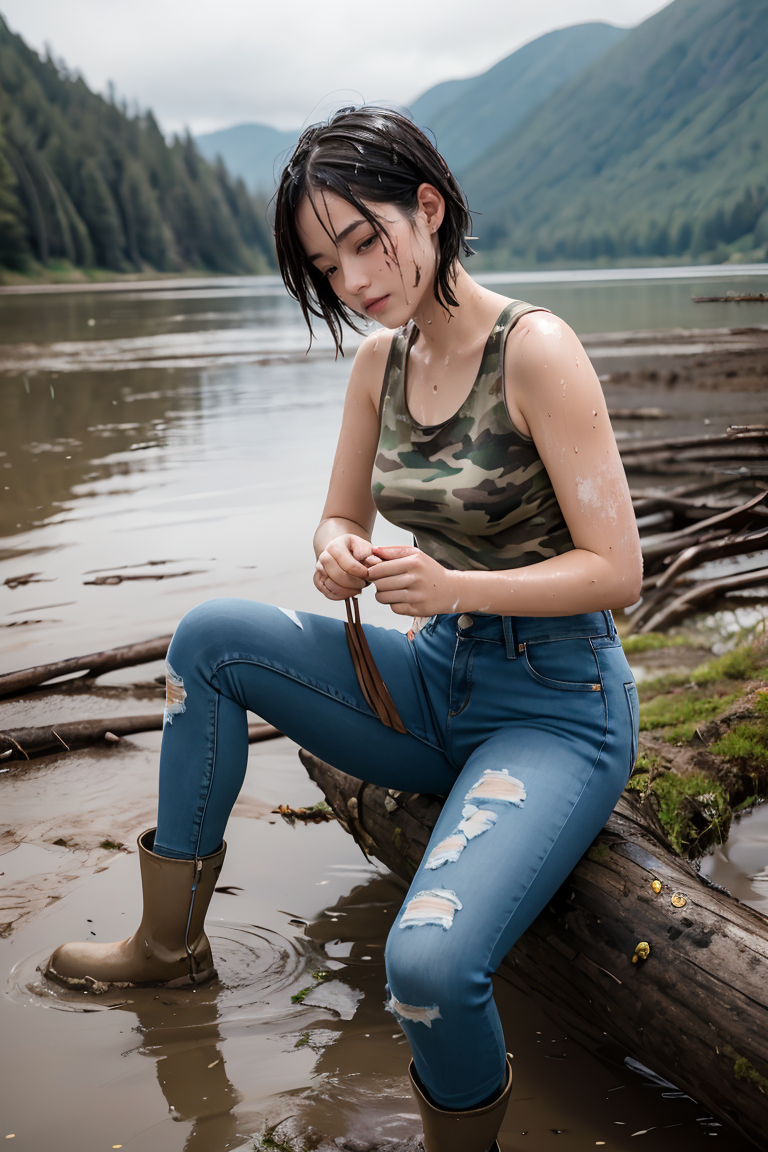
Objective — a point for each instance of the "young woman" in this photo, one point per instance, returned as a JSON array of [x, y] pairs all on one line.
[[477, 423]]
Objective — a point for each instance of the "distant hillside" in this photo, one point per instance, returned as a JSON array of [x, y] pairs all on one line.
[[466, 115], [253, 151], [659, 149], [469, 116], [81, 181]]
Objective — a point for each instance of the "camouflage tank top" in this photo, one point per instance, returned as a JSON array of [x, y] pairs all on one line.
[[473, 491]]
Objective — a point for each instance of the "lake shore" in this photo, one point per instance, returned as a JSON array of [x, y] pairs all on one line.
[[169, 444]]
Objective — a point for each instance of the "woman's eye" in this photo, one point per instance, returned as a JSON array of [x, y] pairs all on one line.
[[329, 273], [366, 244]]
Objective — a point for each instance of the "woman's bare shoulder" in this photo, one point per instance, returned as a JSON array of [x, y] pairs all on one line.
[[370, 362]]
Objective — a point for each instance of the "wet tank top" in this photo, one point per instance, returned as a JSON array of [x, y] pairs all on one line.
[[473, 490]]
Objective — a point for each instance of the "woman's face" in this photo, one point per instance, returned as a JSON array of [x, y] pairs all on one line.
[[379, 279]]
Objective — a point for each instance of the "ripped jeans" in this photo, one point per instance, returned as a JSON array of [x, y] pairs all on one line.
[[528, 727]]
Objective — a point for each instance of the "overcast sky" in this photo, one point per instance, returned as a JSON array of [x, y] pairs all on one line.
[[209, 65]]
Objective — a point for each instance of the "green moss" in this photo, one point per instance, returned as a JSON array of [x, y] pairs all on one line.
[[743, 663], [647, 762], [694, 810], [651, 642], [747, 662], [745, 744], [112, 845], [680, 714], [743, 1070], [302, 1041], [639, 783], [689, 835], [598, 852], [749, 802]]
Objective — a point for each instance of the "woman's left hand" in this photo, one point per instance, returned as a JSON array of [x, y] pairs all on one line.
[[412, 583]]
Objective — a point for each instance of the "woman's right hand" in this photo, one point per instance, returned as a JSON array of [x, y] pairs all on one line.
[[342, 567]]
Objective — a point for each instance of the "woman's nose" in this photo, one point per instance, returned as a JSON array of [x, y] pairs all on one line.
[[355, 278]]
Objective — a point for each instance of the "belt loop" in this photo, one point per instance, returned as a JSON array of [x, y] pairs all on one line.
[[510, 636], [608, 617]]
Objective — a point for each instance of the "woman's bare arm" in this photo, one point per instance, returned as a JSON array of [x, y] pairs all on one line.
[[342, 541], [550, 380]]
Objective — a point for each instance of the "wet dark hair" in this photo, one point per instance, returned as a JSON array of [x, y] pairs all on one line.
[[364, 154]]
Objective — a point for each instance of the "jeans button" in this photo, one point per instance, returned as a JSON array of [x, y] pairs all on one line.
[[465, 622]]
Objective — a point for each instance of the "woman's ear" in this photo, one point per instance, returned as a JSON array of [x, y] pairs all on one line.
[[431, 206]]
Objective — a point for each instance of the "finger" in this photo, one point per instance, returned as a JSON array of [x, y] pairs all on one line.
[[393, 583], [335, 572], [396, 596], [394, 551], [389, 568], [346, 559], [404, 609], [360, 549], [329, 588]]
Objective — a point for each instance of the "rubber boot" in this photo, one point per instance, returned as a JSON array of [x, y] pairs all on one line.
[[169, 947], [474, 1130]]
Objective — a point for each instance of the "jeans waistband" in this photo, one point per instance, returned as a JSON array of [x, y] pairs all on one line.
[[515, 631]]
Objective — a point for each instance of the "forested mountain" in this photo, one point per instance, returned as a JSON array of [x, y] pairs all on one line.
[[469, 116], [253, 151], [84, 182], [466, 116], [658, 149]]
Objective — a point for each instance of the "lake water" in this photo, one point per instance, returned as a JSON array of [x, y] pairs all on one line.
[[179, 430]]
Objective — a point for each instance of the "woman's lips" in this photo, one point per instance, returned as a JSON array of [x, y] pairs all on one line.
[[375, 305]]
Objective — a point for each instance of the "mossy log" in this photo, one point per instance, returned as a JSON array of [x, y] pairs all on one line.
[[695, 1011]]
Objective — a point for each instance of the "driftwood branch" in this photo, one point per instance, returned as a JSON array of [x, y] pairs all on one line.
[[696, 1010], [28, 743], [681, 605], [96, 664]]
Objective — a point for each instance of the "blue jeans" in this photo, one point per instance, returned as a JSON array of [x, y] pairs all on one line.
[[528, 727]]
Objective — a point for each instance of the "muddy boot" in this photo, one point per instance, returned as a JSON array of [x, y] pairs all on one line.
[[474, 1130], [169, 947]]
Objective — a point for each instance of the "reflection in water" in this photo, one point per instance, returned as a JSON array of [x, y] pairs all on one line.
[[213, 1048], [182, 1035], [741, 864], [183, 1029]]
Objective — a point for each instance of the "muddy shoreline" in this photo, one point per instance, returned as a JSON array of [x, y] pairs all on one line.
[[203, 1076]]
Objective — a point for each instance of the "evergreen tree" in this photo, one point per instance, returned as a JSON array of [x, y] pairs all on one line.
[[89, 183]]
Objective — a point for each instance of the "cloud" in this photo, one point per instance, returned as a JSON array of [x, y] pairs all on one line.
[[207, 65]]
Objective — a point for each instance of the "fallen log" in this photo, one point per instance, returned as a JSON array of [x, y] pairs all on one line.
[[732, 298], [96, 664], [28, 743], [716, 549], [733, 438], [660, 590], [695, 1010], [681, 605]]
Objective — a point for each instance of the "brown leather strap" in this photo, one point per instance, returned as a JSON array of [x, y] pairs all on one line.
[[369, 678]]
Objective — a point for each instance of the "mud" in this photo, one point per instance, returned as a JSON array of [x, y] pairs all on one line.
[[184, 433]]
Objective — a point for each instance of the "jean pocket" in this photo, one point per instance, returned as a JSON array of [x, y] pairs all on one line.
[[568, 664], [630, 689]]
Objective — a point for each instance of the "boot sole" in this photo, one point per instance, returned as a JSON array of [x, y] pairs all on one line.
[[91, 984]]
